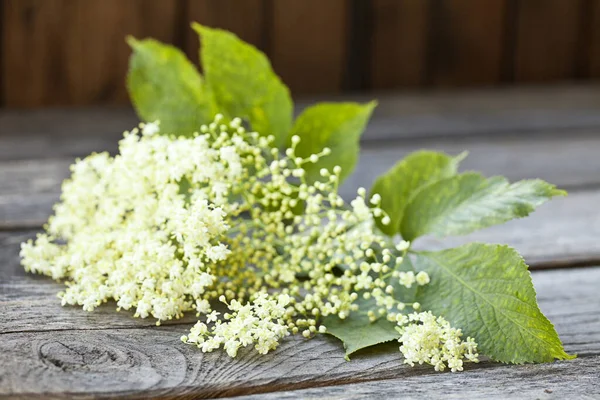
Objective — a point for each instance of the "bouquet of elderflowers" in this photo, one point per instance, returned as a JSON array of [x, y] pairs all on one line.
[[236, 216]]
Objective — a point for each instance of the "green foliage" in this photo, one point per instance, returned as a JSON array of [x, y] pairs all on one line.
[[468, 202], [357, 332], [244, 83], [334, 125], [486, 290], [239, 82], [165, 86], [405, 179]]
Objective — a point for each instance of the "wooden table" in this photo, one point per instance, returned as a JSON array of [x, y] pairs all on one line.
[[49, 351]]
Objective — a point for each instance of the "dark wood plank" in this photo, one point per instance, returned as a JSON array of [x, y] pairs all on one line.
[[308, 44], [102, 25], [547, 39], [466, 42], [35, 35], [244, 18], [73, 361], [593, 50], [398, 43], [61, 52]]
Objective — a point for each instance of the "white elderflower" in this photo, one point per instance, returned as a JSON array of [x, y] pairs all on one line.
[[260, 322], [150, 128], [422, 278], [407, 279], [175, 224], [427, 339]]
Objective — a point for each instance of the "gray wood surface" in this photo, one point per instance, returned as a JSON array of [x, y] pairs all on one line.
[[49, 351], [578, 379], [48, 133], [61, 351]]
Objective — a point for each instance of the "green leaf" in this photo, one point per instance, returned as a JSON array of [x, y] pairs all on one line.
[[334, 125], [244, 83], [357, 332], [468, 202], [164, 85], [399, 184], [486, 291]]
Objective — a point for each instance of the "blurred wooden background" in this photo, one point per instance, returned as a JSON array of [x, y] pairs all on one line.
[[72, 52]]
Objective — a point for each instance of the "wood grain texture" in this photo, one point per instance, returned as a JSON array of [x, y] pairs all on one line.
[[245, 18], [465, 42], [76, 356], [61, 52], [573, 379], [398, 43], [547, 39], [308, 44], [54, 361]]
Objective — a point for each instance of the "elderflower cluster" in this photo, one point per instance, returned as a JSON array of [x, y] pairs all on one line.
[[124, 230], [431, 340], [173, 224], [261, 321]]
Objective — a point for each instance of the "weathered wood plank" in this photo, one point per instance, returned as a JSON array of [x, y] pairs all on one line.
[[567, 159], [562, 233], [487, 113], [10, 244], [23, 300], [144, 362], [561, 380]]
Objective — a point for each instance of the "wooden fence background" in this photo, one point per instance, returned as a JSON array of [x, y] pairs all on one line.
[[72, 52]]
